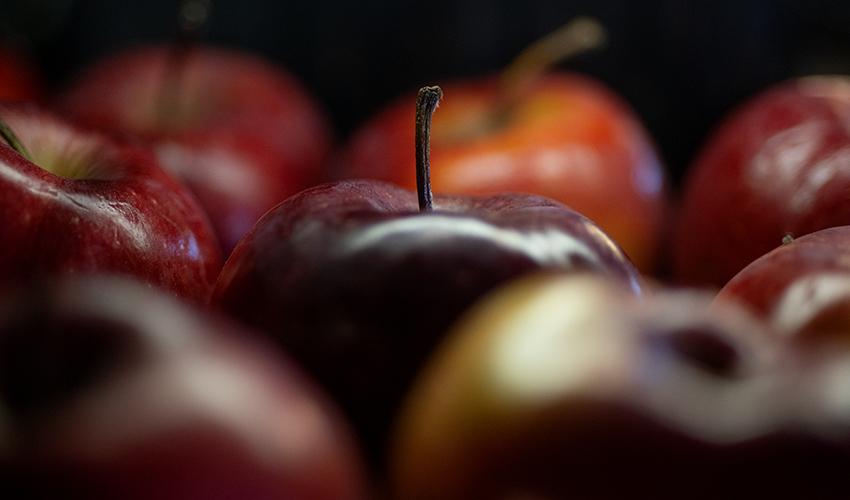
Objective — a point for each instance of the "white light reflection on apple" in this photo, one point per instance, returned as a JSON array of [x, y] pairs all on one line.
[[805, 298], [550, 347], [550, 246], [776, 168]]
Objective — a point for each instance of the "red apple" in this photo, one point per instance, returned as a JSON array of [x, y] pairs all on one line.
[[108, 390], [803, 287], [359, 284], [564, 136], [240, 132], [560, 387], [84, 203], [18, 78], [780, 165]]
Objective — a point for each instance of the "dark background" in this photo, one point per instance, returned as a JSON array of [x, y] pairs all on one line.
[[681, 64]]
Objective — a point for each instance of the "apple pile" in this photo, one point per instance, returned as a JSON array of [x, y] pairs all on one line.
[[460, 314], [359, 279]]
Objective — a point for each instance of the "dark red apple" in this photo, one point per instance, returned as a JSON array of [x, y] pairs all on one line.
[[560, 387], [803, 287], [240, 132], [108, 390], [359, 282], [779, 165], [83, 203], [18, 78], [561, 135]]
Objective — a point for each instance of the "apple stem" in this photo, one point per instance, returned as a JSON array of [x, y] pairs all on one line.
[[12, 140], [192, 17], [576, 37], [426, 103]]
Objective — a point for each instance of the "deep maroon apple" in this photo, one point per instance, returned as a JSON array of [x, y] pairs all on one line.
[[359, 279], [559, 387], [241, 133], [108, 390], [74, 202], [778, 166], [803, 287]]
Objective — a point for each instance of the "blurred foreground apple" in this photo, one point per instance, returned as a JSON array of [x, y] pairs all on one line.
[[560, 387], [559, 135], [241, 133], [802, 287], [76, 202], [108, 391], [359, 282], [778, 166]]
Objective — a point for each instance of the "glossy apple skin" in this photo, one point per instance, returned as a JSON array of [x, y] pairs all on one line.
[[779, 165], [803, 287], [569, 139], [359, 285], [125, 215], [560, 388], [244, 135], [109, 390], [18, 79]]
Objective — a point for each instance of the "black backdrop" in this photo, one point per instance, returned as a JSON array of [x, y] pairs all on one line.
[[680, 63]]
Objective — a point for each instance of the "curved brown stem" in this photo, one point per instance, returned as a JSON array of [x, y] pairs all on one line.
[[576, 37], [192, 17], [426, 103]]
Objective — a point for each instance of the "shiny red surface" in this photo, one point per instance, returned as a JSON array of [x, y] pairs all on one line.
[[567, 138], [241, 133], [779, 165], [803, 285], [127, 217]]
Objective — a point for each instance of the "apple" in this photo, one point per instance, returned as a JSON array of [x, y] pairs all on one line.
[[803, 286], [109, 390], [559, 135], [19, 80], [73, 201], [778, 166], [561, 387], [241, 133], [359, 280]]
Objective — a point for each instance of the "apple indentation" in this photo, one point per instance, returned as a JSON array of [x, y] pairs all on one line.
[[706, 350], [63, 150]]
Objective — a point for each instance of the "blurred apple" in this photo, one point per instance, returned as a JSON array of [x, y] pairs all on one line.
[[561, 387], [108, 390], [778, 166], [240, 132]]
